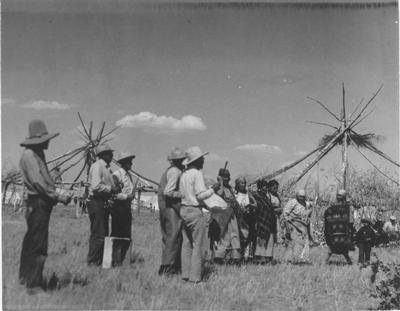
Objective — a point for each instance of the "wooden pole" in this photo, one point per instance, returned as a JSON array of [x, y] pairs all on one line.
[[289, 166], [344, 146]]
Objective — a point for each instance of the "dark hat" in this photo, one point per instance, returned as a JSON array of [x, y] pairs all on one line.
[[224, 172], [37, 134], [103, 148]]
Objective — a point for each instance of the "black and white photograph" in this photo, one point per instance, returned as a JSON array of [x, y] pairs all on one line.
[[200, 155]]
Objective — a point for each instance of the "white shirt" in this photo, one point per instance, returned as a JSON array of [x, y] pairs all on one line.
[[125, 179], [193, 188], [242, 199], [100, 178]]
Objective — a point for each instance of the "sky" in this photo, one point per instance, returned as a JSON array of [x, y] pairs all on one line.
[[232, 79]]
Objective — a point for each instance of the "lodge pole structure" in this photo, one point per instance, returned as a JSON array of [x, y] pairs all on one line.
[[344, 145]]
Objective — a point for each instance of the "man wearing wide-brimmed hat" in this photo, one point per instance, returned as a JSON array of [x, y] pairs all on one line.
[[195, 224], [169, 200], [42, 196], [121, 212], [101, 188]]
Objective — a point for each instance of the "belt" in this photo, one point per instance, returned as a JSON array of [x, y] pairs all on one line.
[[97, 198], [35, 196], [196, 206]]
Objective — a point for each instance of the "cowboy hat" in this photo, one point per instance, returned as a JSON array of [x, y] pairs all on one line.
[[392, 217], [177, 154], [192, 154], [37, 134], [124, 157], [103, 148]]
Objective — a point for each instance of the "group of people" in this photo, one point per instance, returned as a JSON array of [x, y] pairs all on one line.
[[228, 225], [195, 228], [109, 193]]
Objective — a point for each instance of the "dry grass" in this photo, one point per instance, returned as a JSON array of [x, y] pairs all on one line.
[[137, 286]]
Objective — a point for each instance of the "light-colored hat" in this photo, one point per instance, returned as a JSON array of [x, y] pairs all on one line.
[[192, 154], [341, 193], [392, 217], [121, 157], [37, 134], [300, 193], [177, 154], [103, 148]]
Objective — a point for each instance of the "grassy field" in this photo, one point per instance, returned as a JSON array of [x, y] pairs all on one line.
[[138, 286]]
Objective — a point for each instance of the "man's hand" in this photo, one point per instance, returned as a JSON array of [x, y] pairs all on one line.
[[216, 187]]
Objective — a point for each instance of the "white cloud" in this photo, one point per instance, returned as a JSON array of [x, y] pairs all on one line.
[[43, 104], [150, 121], [260, 148]]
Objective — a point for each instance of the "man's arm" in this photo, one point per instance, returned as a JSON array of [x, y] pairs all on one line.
[[171, 186], [36, 176], [200, 188]]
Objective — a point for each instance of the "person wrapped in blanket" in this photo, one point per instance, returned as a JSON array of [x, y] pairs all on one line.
[[339, 229], [265, 224], [226, 245], [297, 229], [247, 205], [273, 196]]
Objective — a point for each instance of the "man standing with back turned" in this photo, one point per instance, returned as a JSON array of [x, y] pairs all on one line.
[[101, 189], [195, 223], [42, 196], [169, 200], [121, 214]]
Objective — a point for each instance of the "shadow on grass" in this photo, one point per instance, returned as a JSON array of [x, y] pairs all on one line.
[[209, 269], [338, 263], [136, 257], [67, 279]]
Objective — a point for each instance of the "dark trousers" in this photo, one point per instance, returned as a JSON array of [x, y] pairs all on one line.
[[34, 246], [121, 220], [364, 252], [98, 216], [171, 236]]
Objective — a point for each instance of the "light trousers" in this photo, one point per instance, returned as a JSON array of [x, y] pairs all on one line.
[[195, 242]]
